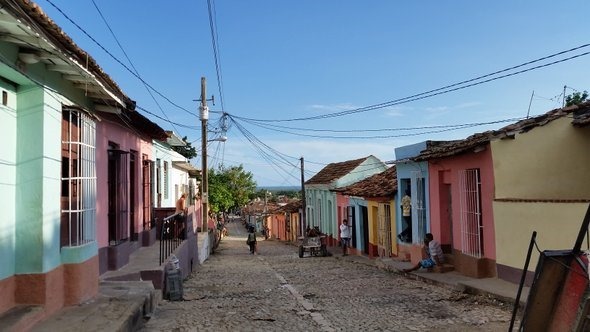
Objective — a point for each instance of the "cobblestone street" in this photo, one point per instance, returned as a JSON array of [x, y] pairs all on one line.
[[278, 291]]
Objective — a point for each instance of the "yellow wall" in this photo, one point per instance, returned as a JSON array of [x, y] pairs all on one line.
[[548, 162], [557, 226], [294, 226], [373, 210], [393, 228]]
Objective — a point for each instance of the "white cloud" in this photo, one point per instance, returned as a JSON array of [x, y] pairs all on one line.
[[333, 107], [396, 111]]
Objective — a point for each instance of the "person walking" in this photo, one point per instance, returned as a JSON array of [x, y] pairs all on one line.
[[345, 233], [251, 241]]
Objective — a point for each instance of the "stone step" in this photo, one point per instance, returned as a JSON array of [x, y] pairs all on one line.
[[449, 259], [21, 318], [446, 267]]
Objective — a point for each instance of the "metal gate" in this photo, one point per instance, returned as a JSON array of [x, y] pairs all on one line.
[[384, 230], [419, 208], [471, 225]]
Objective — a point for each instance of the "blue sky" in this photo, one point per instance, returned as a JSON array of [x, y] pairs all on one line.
[[292, 59]]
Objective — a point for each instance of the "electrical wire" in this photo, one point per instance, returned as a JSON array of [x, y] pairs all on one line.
[[276, 162], [214, 41], [445, 89], [117, 60], [132, 65], [443, 128]]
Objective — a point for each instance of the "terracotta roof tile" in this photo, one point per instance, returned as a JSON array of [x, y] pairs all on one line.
[[35, 13], [292, 206], [379, 185], [335, 171], [581, 117]]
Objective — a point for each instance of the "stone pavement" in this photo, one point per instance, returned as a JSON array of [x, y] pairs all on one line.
[[121, 306], [278, 291], [492, 288]]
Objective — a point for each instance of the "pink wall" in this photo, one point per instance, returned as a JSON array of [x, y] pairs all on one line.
[[446, 171], [127, 140], [341, 205]]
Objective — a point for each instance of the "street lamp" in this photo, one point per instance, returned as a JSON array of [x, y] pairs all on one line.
[[221, 139]]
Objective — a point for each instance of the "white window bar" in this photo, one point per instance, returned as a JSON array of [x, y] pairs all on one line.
[[80, 180], [419, 226], [470, 204]]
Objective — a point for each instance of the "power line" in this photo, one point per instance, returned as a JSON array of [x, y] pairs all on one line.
[[167, 120], [443, 90], [131, 62], [274, 162], [436, 129], [214, 41], [117, 60]]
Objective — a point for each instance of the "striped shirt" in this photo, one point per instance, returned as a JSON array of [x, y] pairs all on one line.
[[435, 250]]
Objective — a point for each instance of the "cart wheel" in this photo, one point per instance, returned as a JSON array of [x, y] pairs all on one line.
[[301, 251]]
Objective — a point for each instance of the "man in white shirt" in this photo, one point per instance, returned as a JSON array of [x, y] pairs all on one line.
[[435, 254], [345, 236]]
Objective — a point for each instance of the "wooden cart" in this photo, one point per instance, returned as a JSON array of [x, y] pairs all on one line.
[[314, 245]]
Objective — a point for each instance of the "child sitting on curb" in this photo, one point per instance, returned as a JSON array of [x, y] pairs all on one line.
[[435, 255]]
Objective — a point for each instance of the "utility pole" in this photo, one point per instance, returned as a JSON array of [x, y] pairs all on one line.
[[530, 103], [204, 113], [563, 103], [303, 201]]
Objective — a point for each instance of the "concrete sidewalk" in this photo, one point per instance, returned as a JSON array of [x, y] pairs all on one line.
[[492, 288], [119, 306]]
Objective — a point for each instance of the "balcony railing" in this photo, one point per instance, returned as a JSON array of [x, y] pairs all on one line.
[[173, 231]]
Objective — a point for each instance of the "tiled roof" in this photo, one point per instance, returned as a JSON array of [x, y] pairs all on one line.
[[292, 206], [379, 185], [581, 118], [58, 36], [335, 171]]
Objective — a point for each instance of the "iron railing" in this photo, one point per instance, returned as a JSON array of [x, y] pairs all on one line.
[[173, 232]]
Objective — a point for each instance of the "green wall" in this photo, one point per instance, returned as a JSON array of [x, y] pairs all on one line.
[[7, 180]]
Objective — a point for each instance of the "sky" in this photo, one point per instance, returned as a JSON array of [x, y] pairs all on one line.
[[286, 60]]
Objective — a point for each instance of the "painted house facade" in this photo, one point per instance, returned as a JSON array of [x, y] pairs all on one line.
[[293, 211], [412, 178], [54, 99], [123, 147], [321, 201], [461, 190], [541, 184], [375, 195]]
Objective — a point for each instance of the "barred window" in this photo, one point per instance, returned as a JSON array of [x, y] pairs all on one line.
[[78, 179], [165, 180]]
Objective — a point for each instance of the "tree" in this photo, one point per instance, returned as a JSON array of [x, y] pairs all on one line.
[[229, 188], [576, 98], [220, 197], [188, 151]]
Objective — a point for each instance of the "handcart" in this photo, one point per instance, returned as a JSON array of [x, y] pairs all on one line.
[[314, 243]]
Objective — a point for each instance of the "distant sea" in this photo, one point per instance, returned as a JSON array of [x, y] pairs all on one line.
[[279, 188]]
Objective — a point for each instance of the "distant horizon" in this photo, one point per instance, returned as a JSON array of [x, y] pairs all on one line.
[[279, 188]]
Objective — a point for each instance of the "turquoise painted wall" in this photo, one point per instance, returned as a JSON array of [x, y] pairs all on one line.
[[30, 168], [358, 202], [38, 174], [320, 200], [7, 180]]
